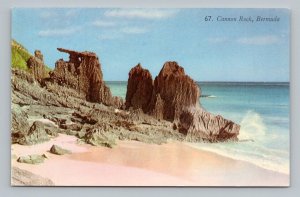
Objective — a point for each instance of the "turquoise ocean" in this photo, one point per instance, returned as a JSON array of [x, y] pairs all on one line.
[[262, 110]]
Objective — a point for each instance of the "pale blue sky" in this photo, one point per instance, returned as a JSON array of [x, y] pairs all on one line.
[[209, 51]]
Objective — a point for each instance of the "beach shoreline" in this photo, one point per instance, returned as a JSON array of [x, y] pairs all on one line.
[[132, 163]]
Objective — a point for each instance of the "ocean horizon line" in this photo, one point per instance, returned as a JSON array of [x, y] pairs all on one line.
[[253, 82]]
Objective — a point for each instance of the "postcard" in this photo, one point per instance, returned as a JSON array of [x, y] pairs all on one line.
[[150, 97]]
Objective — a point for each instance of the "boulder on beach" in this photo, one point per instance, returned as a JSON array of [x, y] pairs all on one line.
[[100, 137], [32, 159], [59, 150]]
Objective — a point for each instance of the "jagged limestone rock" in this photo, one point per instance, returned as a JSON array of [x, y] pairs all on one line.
[[83, 73], [174, 96]]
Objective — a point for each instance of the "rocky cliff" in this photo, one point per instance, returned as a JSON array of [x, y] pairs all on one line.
[[175, 97], [75, 100], [40, 112]]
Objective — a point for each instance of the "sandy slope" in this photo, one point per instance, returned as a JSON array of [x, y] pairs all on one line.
[[133, 163]]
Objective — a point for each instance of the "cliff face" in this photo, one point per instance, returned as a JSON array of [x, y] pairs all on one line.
[[83, 73], [175, 97]]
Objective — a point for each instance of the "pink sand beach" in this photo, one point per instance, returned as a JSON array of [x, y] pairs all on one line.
[[133, 163]]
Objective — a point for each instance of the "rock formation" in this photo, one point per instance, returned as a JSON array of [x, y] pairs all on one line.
[[177, 91], [83, 73], [75, 100], [175, 97], [58, 109], [139, 88], [197, 125], [36, 65], [171, 92]]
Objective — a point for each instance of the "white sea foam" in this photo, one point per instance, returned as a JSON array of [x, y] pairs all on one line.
[[253, 145], [208, 96], [212, 96], [252, 127]]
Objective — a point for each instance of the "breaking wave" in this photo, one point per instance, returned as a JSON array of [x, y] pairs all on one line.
[[252, 127], [253, 146], [208, 96]]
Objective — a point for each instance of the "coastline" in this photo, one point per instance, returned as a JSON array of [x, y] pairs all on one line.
[[262, 163], [170, 164], [187, 113]]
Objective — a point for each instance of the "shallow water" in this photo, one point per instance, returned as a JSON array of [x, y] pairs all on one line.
[[262, 110]]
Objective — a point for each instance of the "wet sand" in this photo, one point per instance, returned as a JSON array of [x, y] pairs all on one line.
[[133, 163]]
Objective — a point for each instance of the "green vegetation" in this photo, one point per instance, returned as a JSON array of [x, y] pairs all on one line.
[[19, 55]]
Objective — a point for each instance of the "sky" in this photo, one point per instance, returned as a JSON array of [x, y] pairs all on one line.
[[207, 50]]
